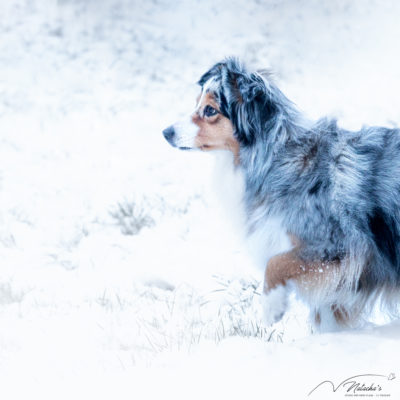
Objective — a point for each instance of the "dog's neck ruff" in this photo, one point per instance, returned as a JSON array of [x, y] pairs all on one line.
[[259, 161]]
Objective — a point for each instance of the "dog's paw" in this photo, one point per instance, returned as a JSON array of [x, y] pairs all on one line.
[[274, 304]]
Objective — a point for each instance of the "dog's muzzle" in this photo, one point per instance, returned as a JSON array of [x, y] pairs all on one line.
[[174, 139]]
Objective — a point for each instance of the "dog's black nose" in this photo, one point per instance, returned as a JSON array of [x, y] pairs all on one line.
[[169, 133]]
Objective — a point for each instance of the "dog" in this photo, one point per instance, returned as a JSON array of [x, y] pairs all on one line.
[[335, 193]]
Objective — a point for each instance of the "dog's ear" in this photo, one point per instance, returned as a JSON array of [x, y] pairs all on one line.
[[214, 72], [248, 99]]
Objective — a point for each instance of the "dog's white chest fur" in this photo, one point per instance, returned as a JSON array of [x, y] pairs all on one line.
[[269, 237]]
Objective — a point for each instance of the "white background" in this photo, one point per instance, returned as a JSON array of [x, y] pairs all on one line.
[[119, 275]]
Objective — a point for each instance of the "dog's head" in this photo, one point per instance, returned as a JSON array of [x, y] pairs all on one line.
[[234, 105]]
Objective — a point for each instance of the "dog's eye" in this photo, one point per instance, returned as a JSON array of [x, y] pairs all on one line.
[[209, 111]]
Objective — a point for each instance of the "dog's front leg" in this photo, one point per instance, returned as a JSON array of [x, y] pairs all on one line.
[[288, 269], [280, 269]]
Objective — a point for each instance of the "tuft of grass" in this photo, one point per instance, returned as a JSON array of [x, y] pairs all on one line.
[[239, 311], [8, 295], [131, 217], [156, 320]]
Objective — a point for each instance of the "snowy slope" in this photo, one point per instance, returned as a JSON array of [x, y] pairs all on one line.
[[120, 276]]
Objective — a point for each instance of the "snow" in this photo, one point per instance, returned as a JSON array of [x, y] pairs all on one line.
[[121, 275]]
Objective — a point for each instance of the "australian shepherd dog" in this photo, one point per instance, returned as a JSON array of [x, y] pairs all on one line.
[[335, 194]]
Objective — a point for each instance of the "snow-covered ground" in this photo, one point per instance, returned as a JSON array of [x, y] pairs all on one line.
[[120, 277]]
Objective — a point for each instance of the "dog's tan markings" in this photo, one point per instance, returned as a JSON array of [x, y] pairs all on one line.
[[296, 242], [306, 160], [317, 318], [308, 275], [341, 315], [237, 93], [215, 132], [289, 265]]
